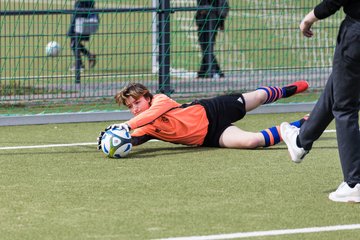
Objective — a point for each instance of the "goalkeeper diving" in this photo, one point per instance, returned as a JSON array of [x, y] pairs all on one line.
[[204, 122]]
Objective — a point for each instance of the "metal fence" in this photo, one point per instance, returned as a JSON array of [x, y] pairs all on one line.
[[155, 43]]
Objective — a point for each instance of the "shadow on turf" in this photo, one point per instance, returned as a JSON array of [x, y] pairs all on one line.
[[136, 153], [143, 152], [85, 149], [329, 191], [153, 152]]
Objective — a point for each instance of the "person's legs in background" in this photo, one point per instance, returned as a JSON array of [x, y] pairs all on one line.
[[207, 33], [83, 51]]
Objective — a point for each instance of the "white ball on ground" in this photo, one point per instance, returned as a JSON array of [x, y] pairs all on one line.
[[116, 143]]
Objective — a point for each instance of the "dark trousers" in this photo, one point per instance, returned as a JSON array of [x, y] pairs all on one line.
[[340, 101], [207, 33], [81, 47]]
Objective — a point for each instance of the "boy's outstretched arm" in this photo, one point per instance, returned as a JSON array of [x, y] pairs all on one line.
[[137, 140]]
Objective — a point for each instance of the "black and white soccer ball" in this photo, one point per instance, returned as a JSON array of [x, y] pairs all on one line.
[[52, 49], [116, 143]]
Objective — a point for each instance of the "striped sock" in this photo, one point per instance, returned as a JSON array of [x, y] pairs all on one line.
[[272, 135], [300, 122], [273, 93]]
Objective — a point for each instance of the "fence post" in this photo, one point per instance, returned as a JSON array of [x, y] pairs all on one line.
[[164, 47]]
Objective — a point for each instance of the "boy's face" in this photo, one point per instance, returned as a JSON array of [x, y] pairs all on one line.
[[137, 106]]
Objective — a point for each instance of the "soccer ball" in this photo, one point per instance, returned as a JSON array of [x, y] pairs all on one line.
[[52, 49], [116, 143]]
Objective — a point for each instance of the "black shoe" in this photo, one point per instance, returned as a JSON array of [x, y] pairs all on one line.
[[221, 74], [202, 75], [214, 75]]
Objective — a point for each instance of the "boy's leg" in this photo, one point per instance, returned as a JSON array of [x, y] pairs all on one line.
[[272, 135], [265, 95], [274, 93], [234, 137]]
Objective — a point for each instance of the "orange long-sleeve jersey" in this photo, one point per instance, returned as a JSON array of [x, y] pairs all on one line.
[[168, 121]]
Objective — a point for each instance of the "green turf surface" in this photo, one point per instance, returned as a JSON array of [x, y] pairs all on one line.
[[164, 190]]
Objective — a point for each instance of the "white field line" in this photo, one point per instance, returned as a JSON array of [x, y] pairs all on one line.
[[80, 144], [48, 146], [56, 145], [270, 233]]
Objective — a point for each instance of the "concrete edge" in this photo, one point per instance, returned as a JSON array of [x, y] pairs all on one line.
[[125, 115]]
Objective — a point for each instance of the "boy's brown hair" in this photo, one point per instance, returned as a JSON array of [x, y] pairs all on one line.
[[135, 90]]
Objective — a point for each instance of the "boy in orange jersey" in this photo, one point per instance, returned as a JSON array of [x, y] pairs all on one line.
[[205, 122]]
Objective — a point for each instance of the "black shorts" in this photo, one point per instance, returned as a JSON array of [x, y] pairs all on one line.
[[222, 112]]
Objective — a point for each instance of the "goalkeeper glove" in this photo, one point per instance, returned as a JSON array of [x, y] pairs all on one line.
[[120, 126], [101, 134]]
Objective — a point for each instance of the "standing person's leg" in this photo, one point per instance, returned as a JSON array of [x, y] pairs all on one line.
[[92, 60], [215, 64], [83, 49], [320, 117], [212, 32], [346, 103], [76, 46], [207, 57], [91, 57], [342, 94], [300, 141], [346, 112], [203, 45]]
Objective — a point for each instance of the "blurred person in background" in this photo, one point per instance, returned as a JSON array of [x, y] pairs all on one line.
[[208, 22], [74, 36]]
